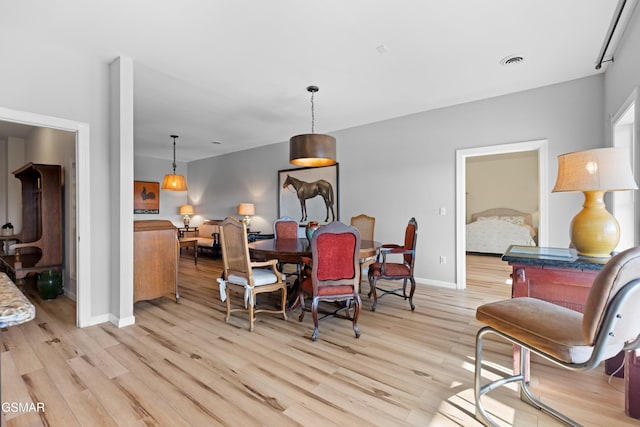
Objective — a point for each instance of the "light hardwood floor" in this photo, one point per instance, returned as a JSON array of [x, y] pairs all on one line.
[[182, 365]]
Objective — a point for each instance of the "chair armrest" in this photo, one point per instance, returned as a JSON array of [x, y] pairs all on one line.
[[388, 246], [399, 250], [273, 263], [266, 263]]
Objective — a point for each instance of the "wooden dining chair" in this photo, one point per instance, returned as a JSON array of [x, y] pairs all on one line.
[[254, 277], [576, 341], [335, 273], [403, 270], [285, 228], [365, 225]]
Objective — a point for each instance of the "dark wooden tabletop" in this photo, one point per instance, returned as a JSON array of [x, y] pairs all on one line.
[[290, 250]]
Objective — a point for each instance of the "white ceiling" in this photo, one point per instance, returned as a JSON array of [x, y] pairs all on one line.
[[237, 71]]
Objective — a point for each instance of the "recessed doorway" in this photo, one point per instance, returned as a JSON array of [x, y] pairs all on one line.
[[462, 155]]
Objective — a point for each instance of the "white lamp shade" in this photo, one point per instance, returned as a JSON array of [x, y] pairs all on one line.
[[600, 169]]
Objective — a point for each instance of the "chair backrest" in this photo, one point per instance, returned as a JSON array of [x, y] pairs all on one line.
[[285, 228], [618, 276], [410, 240], [335, 250], [235, 249], [365, 225]]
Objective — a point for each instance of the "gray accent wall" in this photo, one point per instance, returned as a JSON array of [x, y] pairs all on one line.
[[405, 167]]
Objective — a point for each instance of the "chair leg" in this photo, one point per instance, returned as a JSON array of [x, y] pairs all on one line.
[[372, 290], [314, 313], [251, 314], [228, 304], [302, 306], [411, 292], [525, 394], [356, 314], [283, 304]]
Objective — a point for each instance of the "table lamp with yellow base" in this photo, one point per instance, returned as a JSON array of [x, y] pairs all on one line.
[[594, 231]]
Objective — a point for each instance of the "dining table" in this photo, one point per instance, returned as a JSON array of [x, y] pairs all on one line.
[[293, 251]]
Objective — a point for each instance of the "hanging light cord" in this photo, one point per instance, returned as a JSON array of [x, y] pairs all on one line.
[[174, 154], [313, 115], [313, 90]]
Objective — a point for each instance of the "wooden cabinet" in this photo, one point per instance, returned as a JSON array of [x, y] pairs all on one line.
[[40, 239], [155, 260]]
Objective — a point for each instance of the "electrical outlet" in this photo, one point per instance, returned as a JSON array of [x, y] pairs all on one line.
[[443, 259], [443, 211]]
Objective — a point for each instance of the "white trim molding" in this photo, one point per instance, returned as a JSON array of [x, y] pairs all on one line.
[[83, 202], [541, 146]]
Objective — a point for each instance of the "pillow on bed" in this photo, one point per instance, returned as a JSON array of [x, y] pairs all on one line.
[[488, 218], [517, 220]]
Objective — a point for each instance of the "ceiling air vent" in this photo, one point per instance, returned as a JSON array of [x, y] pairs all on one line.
[[511, 60]]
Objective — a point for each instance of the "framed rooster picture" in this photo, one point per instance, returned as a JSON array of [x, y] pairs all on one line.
[[146, 197]]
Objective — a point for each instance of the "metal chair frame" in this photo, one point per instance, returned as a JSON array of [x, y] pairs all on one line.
[[600, 352]]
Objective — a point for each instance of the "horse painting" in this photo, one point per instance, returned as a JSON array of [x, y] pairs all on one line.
[[309, 190]]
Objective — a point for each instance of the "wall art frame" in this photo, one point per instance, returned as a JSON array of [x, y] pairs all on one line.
[[146, 197], [309, 194]]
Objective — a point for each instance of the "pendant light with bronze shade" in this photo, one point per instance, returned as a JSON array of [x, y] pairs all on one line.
[[172, 181], [312, 149]]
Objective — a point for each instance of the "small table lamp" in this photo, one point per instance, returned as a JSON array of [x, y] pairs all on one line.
[[594, 231], [186, 210], [248, 210]]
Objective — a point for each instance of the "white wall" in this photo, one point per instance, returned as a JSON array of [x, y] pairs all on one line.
[[51, 80], [405, 167]]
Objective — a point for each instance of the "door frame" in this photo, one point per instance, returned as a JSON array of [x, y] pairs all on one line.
[[541, 146], [83, 204], [632, 99]]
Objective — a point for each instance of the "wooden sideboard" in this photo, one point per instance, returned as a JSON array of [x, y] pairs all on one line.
[[155, 260], [556, 275]]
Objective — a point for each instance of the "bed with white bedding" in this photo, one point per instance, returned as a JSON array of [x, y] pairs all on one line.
[[494, 230]]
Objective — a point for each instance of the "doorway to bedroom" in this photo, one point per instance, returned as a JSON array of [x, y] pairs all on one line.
[[500, 186]]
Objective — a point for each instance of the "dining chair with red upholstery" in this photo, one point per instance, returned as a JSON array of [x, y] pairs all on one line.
[[254, 277], [335, 273], [403, 270], [286, 228]]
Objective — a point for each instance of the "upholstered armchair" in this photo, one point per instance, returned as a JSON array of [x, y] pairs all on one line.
[[387, 270], [252, 277], [577, 341], [335, 273]]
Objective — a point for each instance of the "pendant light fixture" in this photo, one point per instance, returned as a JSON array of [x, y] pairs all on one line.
[[312, 149], [174, 182]]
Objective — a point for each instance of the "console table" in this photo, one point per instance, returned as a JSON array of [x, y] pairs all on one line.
[[557, 275]]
